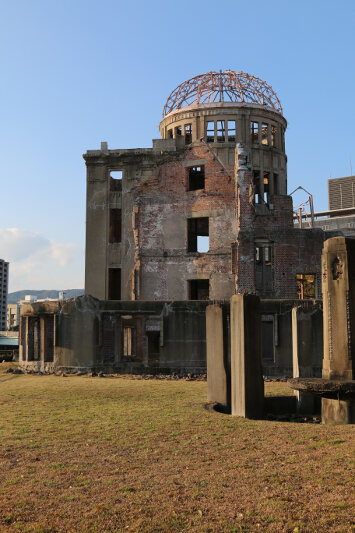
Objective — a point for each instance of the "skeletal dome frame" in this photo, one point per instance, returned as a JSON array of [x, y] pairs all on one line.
[[227, 86]]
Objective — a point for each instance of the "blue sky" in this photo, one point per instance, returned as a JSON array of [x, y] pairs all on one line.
[[77, 72]]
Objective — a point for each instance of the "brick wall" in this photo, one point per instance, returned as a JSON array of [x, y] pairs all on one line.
[[165, 204], [295, 251]]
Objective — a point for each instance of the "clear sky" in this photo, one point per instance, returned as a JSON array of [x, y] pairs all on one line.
[[78, 72]]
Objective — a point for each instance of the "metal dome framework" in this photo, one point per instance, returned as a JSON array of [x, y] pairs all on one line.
[[227, 86]]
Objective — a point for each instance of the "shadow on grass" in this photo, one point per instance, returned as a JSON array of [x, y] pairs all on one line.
[[279, 409]]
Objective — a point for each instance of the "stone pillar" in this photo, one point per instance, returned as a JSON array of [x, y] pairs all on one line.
[[97, 212], [247, 385], [26, 338], [22, 338], [217, 375], [338, 286], [42, 334], [302, 356]]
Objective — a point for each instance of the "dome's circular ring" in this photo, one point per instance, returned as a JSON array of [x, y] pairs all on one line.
[[227, 86]]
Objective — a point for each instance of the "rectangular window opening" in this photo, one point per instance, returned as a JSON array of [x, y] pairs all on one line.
[[306, 286], [264, 133], [254, 132], [256, 182], [30, 338], [266, 187], [129, 341], [108, 338], [196, 178], [199, 289], [114, 284], [115, 228], [188, 133], [210, 132], [263, 254], [268, 340], [178, 131], [231, 131], [198, 234], [153, 347], [136, 284], [49, 338], [170, 134], [221, 131], [276, 183], [116, 180], [263, 268], [273, 135]]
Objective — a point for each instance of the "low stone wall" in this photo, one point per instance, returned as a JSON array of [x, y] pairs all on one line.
[[114, 336], [154, 337]]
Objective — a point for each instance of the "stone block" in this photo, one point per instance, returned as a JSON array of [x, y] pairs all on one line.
[[338, 412], [247, 385], [217, 375]]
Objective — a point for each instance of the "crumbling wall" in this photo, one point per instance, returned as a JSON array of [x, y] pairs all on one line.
[[165, 205], [291, 251]]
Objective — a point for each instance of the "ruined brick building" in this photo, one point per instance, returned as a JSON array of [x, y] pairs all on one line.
[[205, 212]]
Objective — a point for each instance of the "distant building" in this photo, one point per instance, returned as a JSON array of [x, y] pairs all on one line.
[[341, 193], [341, 207], [4, 279], [13, 316], [28, 299]]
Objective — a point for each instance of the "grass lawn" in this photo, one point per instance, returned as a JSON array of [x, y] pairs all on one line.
[[119, 454]]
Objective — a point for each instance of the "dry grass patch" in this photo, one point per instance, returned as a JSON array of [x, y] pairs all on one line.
[[114, 454]]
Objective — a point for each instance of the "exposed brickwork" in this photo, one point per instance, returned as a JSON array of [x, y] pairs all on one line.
[[164, 200], [159, 213], [295, 251]]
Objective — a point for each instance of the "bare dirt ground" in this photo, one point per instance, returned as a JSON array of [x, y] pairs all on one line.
[[118, 454]]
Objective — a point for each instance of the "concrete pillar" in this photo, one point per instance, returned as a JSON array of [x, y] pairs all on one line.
[[247, 385], [26, 338], [338, 286], [22, 336], [42, 336], [97, 199], [302, 356], [217, 375], [55, 339]]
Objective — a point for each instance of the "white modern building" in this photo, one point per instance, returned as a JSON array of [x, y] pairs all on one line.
[[4, 280]]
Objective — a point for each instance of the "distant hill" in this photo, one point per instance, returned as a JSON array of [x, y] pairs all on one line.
[[14, 297]]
